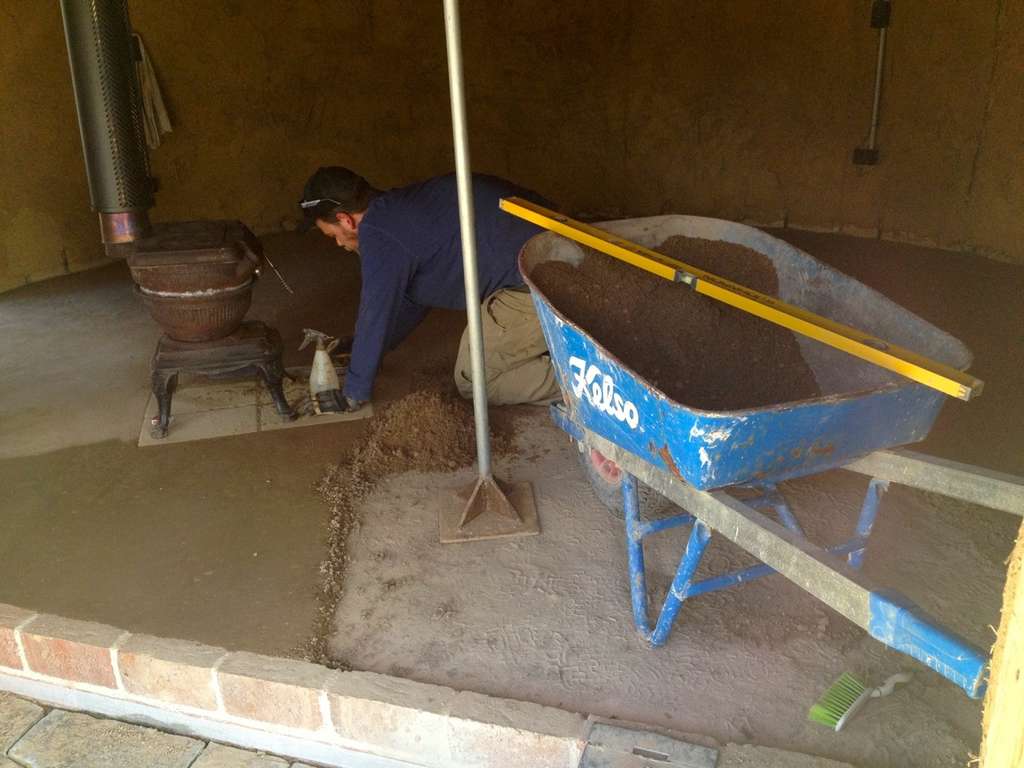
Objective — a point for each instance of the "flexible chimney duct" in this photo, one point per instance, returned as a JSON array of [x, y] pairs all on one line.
[[102, 56]]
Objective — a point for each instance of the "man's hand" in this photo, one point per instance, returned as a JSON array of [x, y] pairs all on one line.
[[353, 405], [333, 401]]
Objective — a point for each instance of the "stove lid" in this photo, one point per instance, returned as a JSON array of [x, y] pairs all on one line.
[[194, 242]]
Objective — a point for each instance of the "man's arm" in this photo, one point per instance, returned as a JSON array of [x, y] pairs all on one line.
[[385, 316], [408, 316]]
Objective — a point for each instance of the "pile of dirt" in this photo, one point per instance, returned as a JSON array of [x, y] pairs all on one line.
[[696, 350], [429, 430], [426, 430]]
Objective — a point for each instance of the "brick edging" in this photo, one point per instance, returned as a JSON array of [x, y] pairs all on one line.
[[392, 717]]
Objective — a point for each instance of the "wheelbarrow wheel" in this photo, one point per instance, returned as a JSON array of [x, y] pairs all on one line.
[[605, 478]]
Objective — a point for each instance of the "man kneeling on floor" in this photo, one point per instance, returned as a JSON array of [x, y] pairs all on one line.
[[411, 258]]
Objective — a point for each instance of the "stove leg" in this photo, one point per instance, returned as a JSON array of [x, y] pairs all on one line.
[[273, 375], [163, 388]]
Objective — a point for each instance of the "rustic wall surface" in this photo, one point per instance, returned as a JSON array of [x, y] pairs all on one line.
[[746, 110]]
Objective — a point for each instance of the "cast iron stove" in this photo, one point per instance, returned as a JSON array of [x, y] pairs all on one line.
[[254, 349], [196, 278]]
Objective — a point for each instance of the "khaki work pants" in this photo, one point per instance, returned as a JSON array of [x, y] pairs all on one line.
[[516, 358]]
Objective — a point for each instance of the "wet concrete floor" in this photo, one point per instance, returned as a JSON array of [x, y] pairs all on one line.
[[217, 540], [220, 541]]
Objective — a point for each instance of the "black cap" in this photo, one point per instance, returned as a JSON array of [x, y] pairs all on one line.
[[331, 189]]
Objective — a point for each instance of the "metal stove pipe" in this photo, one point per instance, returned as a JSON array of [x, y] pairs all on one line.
[[101, 51]]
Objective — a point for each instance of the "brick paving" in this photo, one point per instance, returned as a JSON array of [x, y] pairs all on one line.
[[33, 736], [220, 756], [73, 739], [16, 717]]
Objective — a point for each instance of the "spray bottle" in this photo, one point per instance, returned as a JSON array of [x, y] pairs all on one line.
[[324, 387]]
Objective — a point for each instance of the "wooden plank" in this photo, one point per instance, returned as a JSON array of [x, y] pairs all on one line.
[[966, 482], [1002, 741]]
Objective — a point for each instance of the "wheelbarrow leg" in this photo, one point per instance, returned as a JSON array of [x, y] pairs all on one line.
[[635, 548], [782, 509], [700, 534], [866, 520], [771, 497]]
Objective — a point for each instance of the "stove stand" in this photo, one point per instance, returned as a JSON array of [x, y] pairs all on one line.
[[254, 349]]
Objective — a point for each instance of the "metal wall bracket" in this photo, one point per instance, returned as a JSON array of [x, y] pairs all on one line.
[[881, 14], [865, 156]]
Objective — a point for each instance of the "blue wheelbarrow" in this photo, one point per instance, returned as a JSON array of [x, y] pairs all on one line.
[[689, 455]]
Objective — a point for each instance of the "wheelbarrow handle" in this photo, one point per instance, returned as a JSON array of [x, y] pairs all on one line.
[[903, 627]]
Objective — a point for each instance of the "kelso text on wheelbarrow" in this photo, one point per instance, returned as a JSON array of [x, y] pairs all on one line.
[[599, 388]]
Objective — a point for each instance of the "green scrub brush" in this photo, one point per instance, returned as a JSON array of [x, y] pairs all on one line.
[[846, 696]]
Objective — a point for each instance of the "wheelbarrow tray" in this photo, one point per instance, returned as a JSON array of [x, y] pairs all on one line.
[[863, 408]]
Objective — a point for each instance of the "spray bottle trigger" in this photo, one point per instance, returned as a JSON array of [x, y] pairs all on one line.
[[312, 335]]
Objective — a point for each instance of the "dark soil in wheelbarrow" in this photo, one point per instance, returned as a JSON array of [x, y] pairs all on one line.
[[696, 350]]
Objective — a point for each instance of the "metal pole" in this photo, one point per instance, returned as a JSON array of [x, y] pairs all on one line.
[[453, 39], [872, 136], [101, 54]]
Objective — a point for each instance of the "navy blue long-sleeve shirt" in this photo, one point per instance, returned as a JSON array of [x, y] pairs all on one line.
[[410, 251]]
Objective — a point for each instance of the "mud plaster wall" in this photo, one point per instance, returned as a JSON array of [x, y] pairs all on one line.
[[746, 110]]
